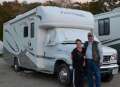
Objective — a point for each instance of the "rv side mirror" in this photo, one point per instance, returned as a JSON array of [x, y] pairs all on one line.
[[51, 43]]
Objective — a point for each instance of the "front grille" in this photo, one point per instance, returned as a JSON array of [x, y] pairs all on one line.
[[106, 59]]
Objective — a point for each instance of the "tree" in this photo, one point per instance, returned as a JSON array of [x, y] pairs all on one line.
[[51, 3], [9, 10], [76, 5], [110, 4], [95, 7], [64, 3]]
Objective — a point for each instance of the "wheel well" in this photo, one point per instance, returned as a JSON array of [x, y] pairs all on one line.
[[15, 59], [57, 64]]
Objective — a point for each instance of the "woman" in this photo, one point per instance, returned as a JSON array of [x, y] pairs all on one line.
[[78, 62]]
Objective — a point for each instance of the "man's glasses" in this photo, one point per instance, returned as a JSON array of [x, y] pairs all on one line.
[[90, 36]]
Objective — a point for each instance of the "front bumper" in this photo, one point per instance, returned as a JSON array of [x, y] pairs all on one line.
[[112, 68], [105, 69]]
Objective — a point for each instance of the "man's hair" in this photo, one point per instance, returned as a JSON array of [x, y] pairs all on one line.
[[90, 34], [78, 40]]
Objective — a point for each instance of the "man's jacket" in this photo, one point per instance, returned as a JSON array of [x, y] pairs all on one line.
[[95, 51]]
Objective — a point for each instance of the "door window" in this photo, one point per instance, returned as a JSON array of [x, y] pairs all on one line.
[[26, 31], [32, 30]]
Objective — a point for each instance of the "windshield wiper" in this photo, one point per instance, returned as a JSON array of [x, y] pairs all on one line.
[[67, 43]]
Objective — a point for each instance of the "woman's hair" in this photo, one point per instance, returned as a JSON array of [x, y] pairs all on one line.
[[78, 40]]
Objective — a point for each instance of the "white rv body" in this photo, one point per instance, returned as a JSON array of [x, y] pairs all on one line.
[[112, 38], [42, 39], [1, 47]]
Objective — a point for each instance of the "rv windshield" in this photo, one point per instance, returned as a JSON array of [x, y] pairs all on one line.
[[69, 35]]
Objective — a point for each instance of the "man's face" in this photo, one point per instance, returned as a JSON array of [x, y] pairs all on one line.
[[90, 37], [78, 44]]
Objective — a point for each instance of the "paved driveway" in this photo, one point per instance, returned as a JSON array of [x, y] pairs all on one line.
[[9, 78]]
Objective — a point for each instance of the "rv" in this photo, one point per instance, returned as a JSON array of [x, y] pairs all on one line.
[[42, 40], [1, 47], [107, 29]]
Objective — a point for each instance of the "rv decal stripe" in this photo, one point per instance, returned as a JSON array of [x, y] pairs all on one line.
[[105, 42], [48, 57], [11, 46], [116, 46], [40, 56], [13, 39]]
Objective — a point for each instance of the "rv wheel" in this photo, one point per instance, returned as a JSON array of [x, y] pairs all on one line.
[[64, 74], [107, 77], [16, 65]]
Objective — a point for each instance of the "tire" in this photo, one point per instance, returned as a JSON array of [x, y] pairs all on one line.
[[64, 75], [119, 69], [107, 77], [16, 65]]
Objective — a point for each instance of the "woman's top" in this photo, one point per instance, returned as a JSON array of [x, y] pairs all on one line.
[[78, 59]]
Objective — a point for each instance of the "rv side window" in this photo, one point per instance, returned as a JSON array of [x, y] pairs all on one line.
[[51, 37], [104, 26], [32, 30], [107, 26], [26, 31]]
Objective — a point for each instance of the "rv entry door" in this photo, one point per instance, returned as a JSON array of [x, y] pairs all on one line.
[[31, 41]]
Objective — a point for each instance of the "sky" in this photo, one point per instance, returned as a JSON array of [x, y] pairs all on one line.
[[39, 0]]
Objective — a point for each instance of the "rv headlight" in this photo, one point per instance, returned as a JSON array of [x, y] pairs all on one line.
[[114, 56]]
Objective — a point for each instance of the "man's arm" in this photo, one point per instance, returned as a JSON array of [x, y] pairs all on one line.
[[100, 52]]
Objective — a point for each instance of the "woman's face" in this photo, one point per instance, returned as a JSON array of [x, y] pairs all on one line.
[[78, 44]]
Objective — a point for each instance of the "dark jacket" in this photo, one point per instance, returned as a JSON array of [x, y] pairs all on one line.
[[78, 59], [95, 51]]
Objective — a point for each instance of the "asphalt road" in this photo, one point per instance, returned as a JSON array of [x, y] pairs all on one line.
[[9, 78]]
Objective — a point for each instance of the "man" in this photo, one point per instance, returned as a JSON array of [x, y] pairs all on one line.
[[78, 64], [93, 60]]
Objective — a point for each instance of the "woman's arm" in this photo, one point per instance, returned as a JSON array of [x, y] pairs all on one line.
[[73, 58]]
